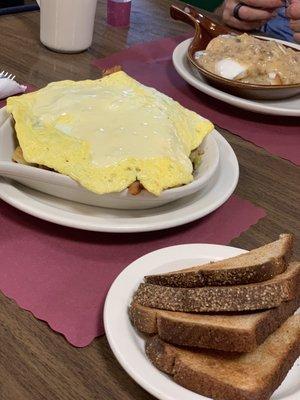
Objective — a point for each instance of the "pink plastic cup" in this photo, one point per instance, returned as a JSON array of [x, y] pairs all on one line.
[[118, 12]]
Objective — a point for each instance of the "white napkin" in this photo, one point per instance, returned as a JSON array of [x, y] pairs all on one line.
[[9, 87]]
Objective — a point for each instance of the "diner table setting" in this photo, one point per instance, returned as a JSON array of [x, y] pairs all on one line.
[[149, 200]]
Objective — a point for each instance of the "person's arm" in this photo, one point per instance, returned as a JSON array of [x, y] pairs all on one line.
[[293, 12], [252, 14]]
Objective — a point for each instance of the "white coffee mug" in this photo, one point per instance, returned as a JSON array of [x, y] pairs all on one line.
[[67, 25]]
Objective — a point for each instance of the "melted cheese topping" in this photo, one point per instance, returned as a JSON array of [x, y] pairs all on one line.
[[108, 133], [133, 126]]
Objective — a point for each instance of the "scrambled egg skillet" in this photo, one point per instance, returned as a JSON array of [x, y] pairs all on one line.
[[108, 133]]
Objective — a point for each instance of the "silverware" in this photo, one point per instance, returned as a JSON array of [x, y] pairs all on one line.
[[7, 75]]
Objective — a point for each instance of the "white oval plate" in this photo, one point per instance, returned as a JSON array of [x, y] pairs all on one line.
[[128, 346], [288, 107], [75, 215], [64, 187]]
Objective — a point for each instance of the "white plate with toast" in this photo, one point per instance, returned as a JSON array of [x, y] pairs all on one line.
[[128, 345], [81, 216], [287, 107]]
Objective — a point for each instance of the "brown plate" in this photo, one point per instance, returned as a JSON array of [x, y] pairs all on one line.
[[205, 31]]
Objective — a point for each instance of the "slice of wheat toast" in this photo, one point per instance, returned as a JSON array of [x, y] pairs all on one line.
[[227, 332], [231, 376], [257, 265], [254, 296]]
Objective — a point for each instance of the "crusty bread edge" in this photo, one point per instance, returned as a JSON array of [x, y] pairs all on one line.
[[152, 321], [258, 296], [237, 276], [165, 358]]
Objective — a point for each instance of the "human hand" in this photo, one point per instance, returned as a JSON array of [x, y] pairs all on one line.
[[252, 14], [293, 12]]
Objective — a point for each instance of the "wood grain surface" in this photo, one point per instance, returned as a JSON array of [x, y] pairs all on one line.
[[37, 363]]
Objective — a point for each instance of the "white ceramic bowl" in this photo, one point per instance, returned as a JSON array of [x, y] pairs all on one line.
[[64, 187]]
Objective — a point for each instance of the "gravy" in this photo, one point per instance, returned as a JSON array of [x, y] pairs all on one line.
[[255, 61]]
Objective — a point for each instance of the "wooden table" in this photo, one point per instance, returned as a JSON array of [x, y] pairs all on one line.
[[35, 362]]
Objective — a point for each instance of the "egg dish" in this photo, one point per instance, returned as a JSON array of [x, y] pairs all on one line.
[[109, 133], [247, 59]]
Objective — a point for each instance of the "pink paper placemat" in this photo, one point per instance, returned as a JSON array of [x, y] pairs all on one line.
[[62, 275], [151, 64]]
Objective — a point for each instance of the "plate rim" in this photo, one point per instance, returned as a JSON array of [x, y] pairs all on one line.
[[228, 98], [136, 270], [64, 219]]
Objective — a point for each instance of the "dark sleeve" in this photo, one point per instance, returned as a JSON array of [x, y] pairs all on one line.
[[209, 5]]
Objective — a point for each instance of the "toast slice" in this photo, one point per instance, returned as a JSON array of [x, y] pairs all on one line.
[[235, 332], [228, 376], [254, 296], [255, 266]]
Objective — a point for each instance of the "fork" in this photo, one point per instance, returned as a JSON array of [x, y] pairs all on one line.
[[7, 75]]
